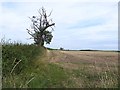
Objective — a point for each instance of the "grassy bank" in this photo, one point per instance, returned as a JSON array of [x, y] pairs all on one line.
[[30, 66], [17, 58], [25, 66]]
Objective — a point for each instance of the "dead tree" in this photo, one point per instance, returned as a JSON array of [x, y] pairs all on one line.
[[39, 28]]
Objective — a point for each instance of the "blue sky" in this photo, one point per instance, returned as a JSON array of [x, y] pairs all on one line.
[[80, 24]]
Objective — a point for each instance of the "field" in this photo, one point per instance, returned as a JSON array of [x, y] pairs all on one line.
[[29, 66], [88, 68]]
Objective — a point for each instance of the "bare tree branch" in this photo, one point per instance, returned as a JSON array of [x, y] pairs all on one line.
[[40, 25], [29, 32], [50, 14], [49, 25]]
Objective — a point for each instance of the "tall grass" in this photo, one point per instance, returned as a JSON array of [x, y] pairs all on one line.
[[95, 76], [16, 57]]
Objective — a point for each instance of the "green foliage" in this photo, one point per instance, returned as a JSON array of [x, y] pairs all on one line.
[[48, 37], [13, 53], [49, 75], [30, 72]]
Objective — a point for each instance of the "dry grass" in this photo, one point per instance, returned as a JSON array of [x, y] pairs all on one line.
[[88, 68]]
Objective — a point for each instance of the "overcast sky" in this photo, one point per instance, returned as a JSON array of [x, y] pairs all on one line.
[[80, 24]]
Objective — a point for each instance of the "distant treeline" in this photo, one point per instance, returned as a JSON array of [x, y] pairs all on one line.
[[84, 50]]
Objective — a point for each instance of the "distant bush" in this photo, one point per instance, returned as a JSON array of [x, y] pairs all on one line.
[[61, 48], [89, 50]]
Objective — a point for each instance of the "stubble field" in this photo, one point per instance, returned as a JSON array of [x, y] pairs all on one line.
[[88, 68]]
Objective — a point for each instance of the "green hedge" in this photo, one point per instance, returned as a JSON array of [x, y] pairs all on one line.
[[22, 53]]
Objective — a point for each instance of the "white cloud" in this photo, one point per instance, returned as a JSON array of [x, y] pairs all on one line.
[[65, 14]]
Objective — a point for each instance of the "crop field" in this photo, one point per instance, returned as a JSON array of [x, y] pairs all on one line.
[[89, 68]]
